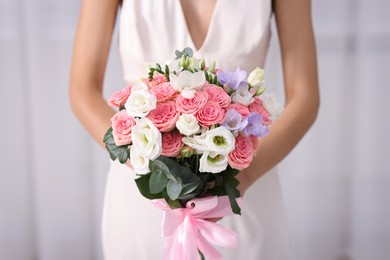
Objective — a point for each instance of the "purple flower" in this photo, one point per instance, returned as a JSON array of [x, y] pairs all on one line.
[[233, 79], [234, 121], [255, 125]]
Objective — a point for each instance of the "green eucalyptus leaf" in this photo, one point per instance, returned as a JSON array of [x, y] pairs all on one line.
[[159, 166], [143, 186], [174, 189], [190, 181], [122, 153], [173, 204], [188, 51], [233, 193], [178, 54], [189, 196], [189, 187], [158, 181], [108, 137], [172, 168]]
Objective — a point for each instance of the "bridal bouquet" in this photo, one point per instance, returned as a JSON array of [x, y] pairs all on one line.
[[188, 130]]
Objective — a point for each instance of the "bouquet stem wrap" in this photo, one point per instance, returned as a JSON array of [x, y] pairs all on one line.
[[186, 231]]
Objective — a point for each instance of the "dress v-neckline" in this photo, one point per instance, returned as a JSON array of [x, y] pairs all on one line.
[[209, 29]]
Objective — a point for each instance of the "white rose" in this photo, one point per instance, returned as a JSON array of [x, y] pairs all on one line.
[[213, 162], [187, 124], [272, 105], [243, 96], [256, 77], [139, 163], [140, 103], [187, 83], [220, 140], [146, 139]]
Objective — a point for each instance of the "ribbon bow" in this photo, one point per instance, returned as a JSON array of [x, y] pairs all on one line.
[[186, 229]]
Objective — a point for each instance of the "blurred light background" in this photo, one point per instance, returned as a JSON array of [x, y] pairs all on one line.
[[336, 183]]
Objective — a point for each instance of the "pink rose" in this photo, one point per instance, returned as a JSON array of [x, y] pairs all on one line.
[[119, 97], [240, 108], [257, 107], [172, 144], [217, 94], [191, 105], [157, 79], [163, 91], [210, 114], [122, 125], [164, 116], [242, 155]]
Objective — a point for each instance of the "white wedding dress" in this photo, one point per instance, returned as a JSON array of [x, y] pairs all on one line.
[[238, 35]]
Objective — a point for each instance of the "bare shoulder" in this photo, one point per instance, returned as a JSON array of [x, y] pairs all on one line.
[[93, 39]]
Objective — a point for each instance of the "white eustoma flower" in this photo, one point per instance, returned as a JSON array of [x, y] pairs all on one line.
[[197, 142], [187, 124], [220, 140], [243, 96], [140, 103], [256, 77], [272, 105], [174, 66], [213, 162], [187, 83], [139, 163], [146, 139]]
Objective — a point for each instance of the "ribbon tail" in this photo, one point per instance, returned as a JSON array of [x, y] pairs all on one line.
[[172, 219], [217, 234], [208, 250], [188, 238], [173, 249]]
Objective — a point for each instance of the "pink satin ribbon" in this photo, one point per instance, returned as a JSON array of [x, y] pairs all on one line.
[[186, 230]]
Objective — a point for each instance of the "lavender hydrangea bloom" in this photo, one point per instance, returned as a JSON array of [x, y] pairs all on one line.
[[234, 121], [255, 125], [233, 79]]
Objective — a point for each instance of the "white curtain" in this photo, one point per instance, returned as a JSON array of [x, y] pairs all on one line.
[[52, 175]]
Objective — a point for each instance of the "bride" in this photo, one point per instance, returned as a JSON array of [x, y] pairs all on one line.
[[234, 33]]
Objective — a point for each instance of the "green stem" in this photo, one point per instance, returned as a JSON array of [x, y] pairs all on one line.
[[174, 204], [196, 164], [201, 255]]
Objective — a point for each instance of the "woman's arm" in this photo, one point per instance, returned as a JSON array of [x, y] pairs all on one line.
[[293, 19], [91, 48]]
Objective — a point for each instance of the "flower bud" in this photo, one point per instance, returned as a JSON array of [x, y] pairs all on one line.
[[227, 88], [203, 64], [256, 77], [193, 63], [259, 91], [182, 61], [212, 66], [187, 151]]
